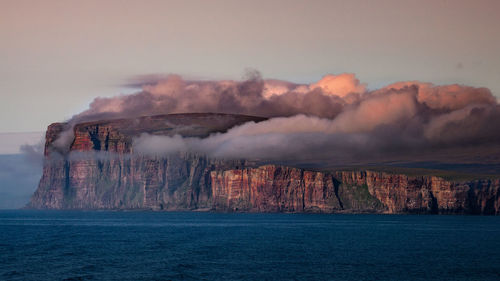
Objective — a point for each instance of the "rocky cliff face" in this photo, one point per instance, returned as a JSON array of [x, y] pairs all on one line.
[[282, 189], [100, 172]]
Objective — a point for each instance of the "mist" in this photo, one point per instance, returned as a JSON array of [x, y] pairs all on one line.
[[19, 176]]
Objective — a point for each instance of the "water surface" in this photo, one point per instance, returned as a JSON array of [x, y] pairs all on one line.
[[58, 245]]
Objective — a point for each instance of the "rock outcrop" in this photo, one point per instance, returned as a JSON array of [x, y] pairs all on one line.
[[100, 171]]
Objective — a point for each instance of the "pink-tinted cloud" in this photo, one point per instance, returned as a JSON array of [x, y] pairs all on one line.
[[448, 96], [334, 120], [340, 85]]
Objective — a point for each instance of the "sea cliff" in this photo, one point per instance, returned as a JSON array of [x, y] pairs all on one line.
[[99, 170]]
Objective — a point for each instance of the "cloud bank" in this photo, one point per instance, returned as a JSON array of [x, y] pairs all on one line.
[[253, 96], [336, 119]]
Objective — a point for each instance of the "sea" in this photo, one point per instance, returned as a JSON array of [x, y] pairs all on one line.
[[140, 245]]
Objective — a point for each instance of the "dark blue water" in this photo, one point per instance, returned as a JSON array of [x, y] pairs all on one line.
[[212, 246]]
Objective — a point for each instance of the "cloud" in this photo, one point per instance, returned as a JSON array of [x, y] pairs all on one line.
[[389, 127], [333, 120], [446, 97], [390, 107], [253, 96], [340, 85], [299, 138], [33, 154]]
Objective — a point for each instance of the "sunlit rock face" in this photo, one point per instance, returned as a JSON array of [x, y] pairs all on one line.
[[95, 167]]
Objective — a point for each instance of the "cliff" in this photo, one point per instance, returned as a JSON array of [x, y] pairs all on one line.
[[283, 189], [100, 171]]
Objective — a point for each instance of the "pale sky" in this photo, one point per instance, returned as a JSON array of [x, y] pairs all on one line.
[[56, 56], [11, 142]]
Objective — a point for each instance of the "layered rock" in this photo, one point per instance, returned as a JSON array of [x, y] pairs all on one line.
[[283, 189], [427, 194], [273, 188], [100, 171]]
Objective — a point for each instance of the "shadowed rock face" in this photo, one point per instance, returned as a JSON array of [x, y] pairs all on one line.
[[121, 180], [104, 174]]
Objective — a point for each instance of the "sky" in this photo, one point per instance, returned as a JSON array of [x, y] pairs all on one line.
[[56, 56], [11, 142]]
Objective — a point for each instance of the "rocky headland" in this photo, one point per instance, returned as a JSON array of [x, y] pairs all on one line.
[[100, 170]]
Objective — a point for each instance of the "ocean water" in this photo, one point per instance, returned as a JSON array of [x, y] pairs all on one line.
[[62, 245]]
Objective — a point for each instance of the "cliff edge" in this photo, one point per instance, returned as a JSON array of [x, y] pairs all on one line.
[[99, 170]]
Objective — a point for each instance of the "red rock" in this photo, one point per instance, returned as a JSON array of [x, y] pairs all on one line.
[[122, 180]]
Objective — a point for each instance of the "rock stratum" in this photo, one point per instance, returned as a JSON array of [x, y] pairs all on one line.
[[99, 170]]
